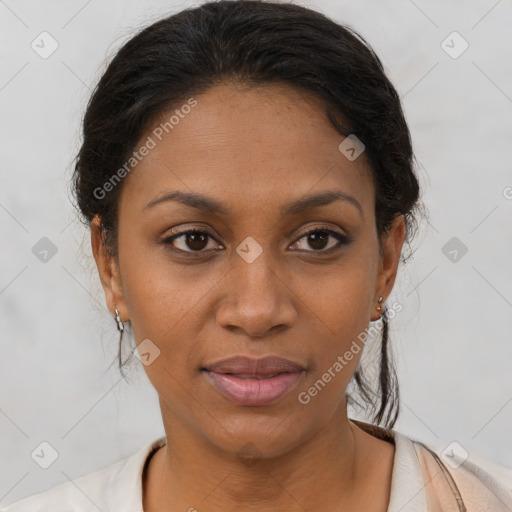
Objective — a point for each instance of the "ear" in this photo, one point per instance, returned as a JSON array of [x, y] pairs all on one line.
[[108, 271], [392, 241]]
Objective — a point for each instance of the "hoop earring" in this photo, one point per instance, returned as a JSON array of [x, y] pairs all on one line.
[[120, 324]]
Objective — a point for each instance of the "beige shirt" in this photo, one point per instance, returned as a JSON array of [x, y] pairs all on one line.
[[422, 481]]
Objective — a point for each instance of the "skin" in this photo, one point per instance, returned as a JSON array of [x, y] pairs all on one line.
[[253, 149]]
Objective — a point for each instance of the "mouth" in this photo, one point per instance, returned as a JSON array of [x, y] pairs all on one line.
[[253, 382], [253, 390], [253, 376]]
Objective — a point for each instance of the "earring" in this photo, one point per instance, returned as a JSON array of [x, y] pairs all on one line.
[[120, 324], [379, 307]]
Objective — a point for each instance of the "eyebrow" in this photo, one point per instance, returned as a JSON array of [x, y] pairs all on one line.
[[211, 205]]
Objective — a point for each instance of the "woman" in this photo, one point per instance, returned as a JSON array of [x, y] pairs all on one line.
[[247, 176]]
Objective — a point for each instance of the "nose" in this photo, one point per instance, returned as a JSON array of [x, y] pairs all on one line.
[[256, 299]]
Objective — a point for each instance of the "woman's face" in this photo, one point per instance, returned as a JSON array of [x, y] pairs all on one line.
[[252, 282]]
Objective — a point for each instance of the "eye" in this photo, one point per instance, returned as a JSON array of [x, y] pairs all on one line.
[[318, 239], [192, 240], [197, 241]]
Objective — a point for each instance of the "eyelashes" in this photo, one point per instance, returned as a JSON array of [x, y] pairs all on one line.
[[192, 235], [339, 237], [193, 240]]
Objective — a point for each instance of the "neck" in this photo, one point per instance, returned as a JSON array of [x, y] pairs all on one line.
[[322, 472]]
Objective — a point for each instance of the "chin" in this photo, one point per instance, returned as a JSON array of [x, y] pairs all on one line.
[[256, 435]]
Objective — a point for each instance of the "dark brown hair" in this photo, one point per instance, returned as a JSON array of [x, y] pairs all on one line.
[[253, 42]]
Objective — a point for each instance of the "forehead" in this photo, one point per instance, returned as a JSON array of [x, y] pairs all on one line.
[[251, 146]]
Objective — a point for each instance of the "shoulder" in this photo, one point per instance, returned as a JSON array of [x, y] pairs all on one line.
[[455, 476], [117, 487], [85, 493], [452, 479]]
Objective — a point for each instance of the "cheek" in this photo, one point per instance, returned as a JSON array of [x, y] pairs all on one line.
[[166, 315], [163, 308], [158, 294], [166, 304], [337, 347], [339, 301], [337, 309]]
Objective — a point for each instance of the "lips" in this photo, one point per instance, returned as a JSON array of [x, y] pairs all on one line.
[[263, 367], [252, 382]]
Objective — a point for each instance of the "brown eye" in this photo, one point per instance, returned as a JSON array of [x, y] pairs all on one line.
[[318, 240], [189, 241], [196, 241]]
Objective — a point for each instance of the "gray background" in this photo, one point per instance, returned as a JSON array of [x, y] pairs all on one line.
[[452, 341]]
